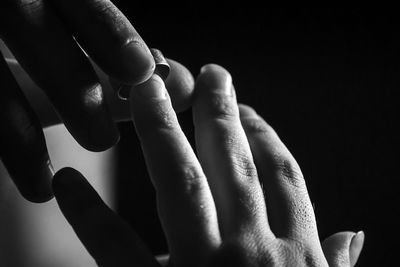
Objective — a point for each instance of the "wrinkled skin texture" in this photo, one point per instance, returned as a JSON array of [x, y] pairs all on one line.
[[240, 201]]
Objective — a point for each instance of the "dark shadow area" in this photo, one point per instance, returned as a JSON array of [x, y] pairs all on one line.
[[325, 79]]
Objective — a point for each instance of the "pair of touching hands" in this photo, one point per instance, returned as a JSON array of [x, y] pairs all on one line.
[[240, 200], [46, 37]]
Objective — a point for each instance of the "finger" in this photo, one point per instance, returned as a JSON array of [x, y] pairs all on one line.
[[56, 63], [179, 84], [343, 248], [22, 144], [289, 207], [109, 240], [185, 203], [356, 246], [108, 37], [225, 153]]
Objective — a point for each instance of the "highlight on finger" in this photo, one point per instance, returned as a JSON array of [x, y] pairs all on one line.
[[225, 154]]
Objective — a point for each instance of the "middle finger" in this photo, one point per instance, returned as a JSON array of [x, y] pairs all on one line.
[[185, 202], [225, 154]]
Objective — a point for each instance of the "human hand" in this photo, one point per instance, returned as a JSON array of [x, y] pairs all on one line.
[[44, 36], [242, 201]]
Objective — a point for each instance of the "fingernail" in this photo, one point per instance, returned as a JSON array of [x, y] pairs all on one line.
[[138, 61], [356, 246], [217, 79], [247, 112], [154, 88]]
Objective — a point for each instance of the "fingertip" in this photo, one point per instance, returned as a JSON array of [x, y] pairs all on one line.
[[94, 136], [64, 180], [136, 65], [39, 189], [103, 134], [340, 239], [212, 77], [356, 246], [337, 248], [33, 180], [213, 68], [73, 193], [89, 120], [247, 111]]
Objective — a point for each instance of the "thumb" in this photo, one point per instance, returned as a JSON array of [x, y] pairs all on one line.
[[343, 248]]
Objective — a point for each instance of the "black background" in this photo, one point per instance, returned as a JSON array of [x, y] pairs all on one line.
[[325, 79]]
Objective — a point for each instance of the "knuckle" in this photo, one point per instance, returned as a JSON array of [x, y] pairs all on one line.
[[222, 108], [289, 171], [245, 168], [185, 180], [192, 179], [166, 121], [256, 126], [159, 119]]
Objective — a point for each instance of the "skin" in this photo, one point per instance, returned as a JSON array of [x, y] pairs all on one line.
[[240, 201], [47, 38], [213, 209]]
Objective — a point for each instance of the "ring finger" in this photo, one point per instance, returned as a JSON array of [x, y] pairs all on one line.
[[289, 207]]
